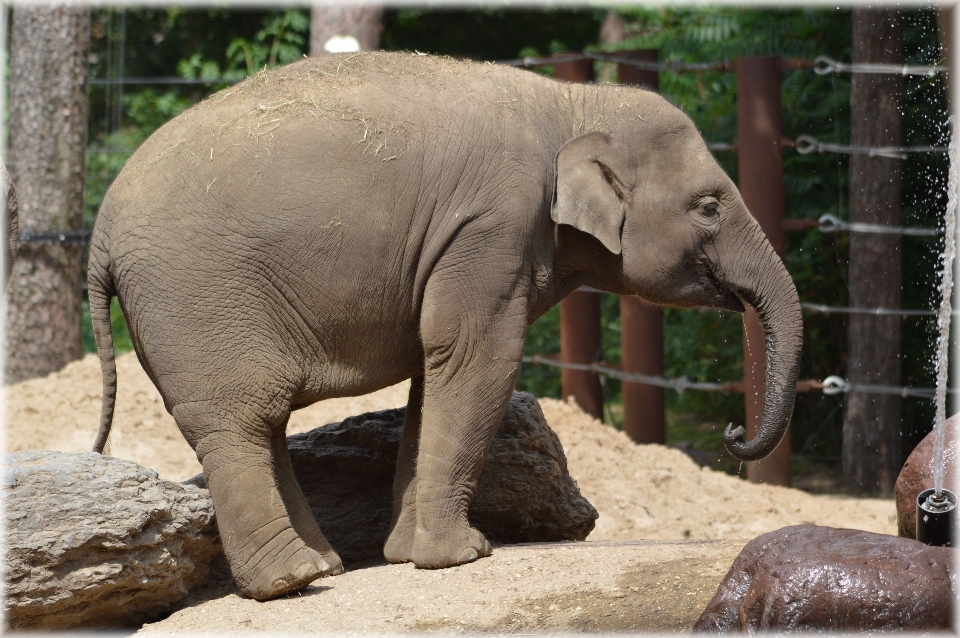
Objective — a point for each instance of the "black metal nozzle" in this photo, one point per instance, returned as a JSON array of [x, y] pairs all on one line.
[[936, 514]]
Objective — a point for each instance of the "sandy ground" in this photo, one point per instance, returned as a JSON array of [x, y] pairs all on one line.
[[642, 586], [644, 493]]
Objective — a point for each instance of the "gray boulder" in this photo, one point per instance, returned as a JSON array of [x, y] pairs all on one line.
[[525, 492], [94, 541]]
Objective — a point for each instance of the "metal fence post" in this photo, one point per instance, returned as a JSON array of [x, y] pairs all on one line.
[[760, 165], [580, 343], [580, 310], [641, 323]]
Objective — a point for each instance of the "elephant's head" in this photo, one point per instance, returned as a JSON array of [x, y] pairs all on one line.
[[671, 227]]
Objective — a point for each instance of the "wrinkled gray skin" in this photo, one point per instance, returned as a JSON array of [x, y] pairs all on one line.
[[347, 222]]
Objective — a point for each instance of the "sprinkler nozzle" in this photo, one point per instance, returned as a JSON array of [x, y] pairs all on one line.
[[935, 517]]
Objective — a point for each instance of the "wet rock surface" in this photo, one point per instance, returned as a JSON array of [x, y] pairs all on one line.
[[809, 578], [93, 541], [525, 492], [917, 475]]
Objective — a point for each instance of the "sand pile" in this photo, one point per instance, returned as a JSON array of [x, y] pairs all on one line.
[[641, 491]]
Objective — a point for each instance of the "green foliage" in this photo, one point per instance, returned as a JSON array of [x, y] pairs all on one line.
[[493, 33], [543, 338], [281, 41]]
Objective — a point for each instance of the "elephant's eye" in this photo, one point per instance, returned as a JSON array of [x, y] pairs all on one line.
[[711, 209]]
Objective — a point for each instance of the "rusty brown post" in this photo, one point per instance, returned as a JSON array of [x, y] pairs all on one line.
[[627, 74], [573, 70], [641, 323], [761, 184], [580, 343], [580, 310]]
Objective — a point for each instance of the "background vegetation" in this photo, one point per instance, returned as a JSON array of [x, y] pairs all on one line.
[[220, 46]]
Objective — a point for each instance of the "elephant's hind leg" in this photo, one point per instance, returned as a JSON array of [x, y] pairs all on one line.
[[269, 535]]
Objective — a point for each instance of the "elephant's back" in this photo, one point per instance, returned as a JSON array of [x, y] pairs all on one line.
[[374, 134], [323, 117]]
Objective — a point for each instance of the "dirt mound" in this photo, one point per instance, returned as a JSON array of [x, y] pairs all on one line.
[[641, 491]]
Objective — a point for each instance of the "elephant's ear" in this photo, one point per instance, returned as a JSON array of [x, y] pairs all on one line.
[[589, 195]]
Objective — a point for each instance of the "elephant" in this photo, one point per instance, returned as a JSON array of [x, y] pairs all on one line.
[[346, 222]]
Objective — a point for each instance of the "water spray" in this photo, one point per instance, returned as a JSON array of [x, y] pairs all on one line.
[[937, 507]]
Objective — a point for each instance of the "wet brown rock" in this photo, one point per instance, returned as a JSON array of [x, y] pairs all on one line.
[[809, 578], [525, 492], [93, 541], [917, 475]]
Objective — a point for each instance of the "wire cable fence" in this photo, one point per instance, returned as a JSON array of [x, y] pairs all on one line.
[[806, 144], [880, 312], [64, 238], [832, 385], [821, 65], [830, 224]]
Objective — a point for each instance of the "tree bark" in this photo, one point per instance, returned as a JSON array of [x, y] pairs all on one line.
[[612, 32], [10, 224], [48, 123], [364, 22], [871, 427]]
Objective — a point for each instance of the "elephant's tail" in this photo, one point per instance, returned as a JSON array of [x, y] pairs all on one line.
[[100, 290]]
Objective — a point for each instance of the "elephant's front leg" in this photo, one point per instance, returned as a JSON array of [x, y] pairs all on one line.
[[473, 343]]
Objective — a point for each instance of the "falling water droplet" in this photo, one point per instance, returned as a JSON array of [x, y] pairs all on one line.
[[943, 320]]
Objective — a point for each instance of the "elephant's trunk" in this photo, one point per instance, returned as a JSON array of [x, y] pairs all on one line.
[[752, 270]]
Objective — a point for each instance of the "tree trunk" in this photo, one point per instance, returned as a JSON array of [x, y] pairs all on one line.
[[10, 222], [612, 33], [364, 23], [871, 427], [48, 124]]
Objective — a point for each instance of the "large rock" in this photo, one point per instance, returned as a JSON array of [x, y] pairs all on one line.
[[917, 475], [816, 579], [95, 541], [525, 492]]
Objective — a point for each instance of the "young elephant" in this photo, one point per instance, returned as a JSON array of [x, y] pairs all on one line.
[[346, 222]]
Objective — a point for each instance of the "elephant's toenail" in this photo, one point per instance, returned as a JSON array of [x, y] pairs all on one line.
[[467, 555], [303, 571]]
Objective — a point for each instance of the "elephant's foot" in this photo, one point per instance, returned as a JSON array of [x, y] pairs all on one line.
[[399, 545], [448, 547], [285, 564]]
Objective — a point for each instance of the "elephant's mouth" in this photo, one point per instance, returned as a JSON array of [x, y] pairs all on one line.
[[724, 297]]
